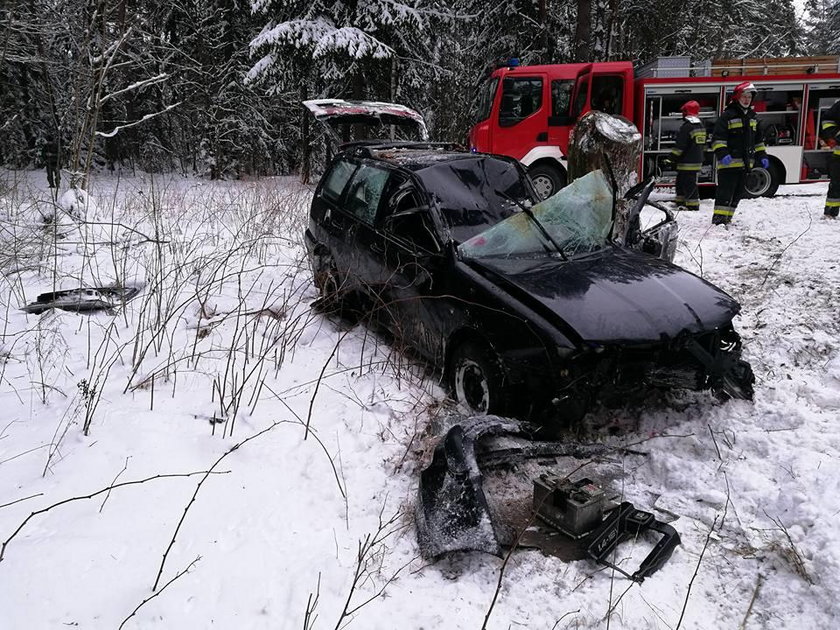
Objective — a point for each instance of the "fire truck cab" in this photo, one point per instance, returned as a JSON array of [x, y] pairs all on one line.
[[527, 112]]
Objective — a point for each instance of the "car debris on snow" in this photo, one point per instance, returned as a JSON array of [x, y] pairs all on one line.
[[84, 300], [568, 519]]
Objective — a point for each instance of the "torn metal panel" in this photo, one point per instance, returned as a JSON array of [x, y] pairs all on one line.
[[452, 513]]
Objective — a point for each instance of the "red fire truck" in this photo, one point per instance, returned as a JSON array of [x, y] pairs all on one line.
[[527, 112]]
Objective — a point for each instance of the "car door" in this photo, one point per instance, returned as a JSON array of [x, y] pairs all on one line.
[[348, 218], [414, 264]]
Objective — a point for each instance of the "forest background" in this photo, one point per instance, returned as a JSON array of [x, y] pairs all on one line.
[[213, 87]]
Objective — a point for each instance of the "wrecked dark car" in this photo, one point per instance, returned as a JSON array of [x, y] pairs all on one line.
[[529, 308]]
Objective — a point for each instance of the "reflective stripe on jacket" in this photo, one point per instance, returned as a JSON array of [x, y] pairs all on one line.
[[738, 134], [688, 149], [830, 125]]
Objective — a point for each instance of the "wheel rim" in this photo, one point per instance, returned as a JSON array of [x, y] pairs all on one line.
[[543, 185], [471, 386], [758, 181]]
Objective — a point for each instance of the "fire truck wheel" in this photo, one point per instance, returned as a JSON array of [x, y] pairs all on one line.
[[762, 182], [547, 180]]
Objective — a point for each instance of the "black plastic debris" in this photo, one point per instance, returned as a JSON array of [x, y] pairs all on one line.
[[85, 300], [452, 514]]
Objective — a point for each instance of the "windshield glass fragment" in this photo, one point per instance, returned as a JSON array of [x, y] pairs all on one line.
[[578, 218]]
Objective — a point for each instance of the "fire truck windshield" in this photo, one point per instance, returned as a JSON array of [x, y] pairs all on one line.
[[485, 99]]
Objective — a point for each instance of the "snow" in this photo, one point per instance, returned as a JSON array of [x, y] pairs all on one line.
[[221, 347]]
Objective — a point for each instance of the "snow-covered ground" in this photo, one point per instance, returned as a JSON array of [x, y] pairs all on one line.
[[309, 523]]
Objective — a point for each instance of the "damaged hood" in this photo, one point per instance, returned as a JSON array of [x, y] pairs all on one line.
[[614, 295], [331, 111]]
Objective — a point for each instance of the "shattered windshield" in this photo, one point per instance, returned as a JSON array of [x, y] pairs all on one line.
[[475, 193], [578, 219]]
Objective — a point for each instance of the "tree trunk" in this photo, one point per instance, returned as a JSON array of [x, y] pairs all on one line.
[[583, 30], [612, 144]]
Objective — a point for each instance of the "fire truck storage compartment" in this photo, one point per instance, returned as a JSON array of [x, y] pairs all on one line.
[[662, 121], [821, 96]]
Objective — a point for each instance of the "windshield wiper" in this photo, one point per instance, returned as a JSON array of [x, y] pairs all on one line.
[[536, 221]]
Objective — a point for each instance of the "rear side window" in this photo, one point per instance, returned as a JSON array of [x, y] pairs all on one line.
[[521, 97], [365, 192], [337, 179]]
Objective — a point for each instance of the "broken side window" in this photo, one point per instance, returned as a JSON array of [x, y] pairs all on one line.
[[578, 218], [416, 229]]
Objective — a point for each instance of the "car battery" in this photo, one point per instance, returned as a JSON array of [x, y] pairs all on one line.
[[573, 507]]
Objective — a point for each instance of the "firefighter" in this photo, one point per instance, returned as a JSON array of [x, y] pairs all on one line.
[[687, 156], [738, 143], [51, 155], [830, 129]]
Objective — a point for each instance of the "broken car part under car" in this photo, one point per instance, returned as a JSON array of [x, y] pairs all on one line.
[[87, 300], [572, 520], [431, 244]]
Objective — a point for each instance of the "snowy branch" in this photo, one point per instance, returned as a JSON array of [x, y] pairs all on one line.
[[135, 86], [116, 130]]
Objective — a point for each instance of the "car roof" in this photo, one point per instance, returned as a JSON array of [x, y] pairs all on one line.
[[415, 156]]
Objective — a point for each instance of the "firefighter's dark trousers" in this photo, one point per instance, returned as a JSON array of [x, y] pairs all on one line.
[[832, 201], [730, 190], [686, 189]]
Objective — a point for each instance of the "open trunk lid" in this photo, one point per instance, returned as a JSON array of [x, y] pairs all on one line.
[[396, 122]]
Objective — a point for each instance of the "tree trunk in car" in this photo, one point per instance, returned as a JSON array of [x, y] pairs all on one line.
[[612, 144]]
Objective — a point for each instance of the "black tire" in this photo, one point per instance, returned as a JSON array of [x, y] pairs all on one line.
[[547, 180], [329, 287], [476, 379], [762, 182]]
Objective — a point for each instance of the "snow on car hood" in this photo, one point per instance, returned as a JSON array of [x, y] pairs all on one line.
[[332, 110], [615, 295]]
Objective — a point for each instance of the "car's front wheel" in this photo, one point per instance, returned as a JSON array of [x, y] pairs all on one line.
[[476, 376]]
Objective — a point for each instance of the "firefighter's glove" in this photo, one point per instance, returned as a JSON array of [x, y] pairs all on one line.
[[765, 163], [726, 160], [667, 162]]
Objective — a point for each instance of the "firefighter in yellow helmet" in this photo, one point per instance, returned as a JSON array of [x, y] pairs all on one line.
[[687, 156], [738, 143], [830, 129]]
